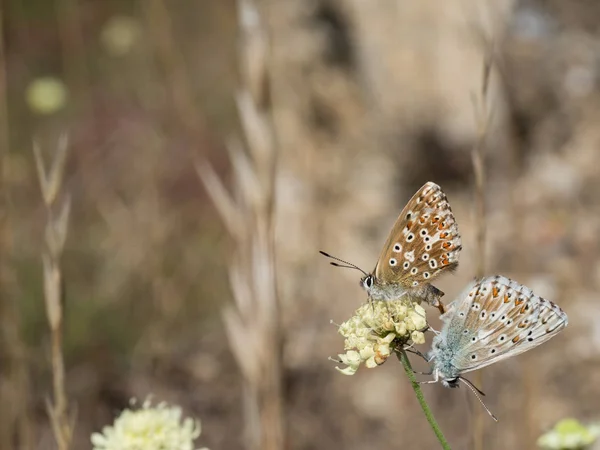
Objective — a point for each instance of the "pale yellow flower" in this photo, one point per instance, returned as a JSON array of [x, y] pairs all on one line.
[[377, 329], [46, 95], [150, 427], [120, 34]]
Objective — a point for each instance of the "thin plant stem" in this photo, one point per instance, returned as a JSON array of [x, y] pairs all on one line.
[[482, 118], [403, 357]]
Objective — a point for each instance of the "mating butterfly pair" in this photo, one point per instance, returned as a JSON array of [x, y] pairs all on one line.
[[494, 319]]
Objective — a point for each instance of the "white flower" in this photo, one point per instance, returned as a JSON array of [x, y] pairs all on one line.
[[150, 427], [376, 329]]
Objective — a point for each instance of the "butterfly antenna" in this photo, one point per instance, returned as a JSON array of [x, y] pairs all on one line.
[[347, 264], [478, 393]]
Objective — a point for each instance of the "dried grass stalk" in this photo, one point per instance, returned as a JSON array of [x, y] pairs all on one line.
[[482, 118], [252, 322], [58, 207]]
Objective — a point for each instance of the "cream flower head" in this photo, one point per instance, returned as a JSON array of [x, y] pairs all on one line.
[[149, 428], [376, 329], [569, 434]]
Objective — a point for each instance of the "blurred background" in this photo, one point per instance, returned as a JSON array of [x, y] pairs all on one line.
[[322, 118]]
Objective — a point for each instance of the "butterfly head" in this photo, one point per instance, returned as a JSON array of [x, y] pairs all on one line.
[[367, 282], [450, 382]]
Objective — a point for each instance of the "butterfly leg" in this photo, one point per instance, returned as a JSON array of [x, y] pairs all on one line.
[[436, 378], [372, 302], [430, 328], [387, 306], [416, 352]]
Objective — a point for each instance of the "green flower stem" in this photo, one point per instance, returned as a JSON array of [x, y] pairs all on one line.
[[424, 406]]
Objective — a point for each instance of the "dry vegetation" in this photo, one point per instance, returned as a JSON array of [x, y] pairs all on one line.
[[339, 111]]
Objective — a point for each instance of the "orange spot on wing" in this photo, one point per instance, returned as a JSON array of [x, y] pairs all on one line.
[[518, 301], [516, 339], [435, 220], [522, 325], [441, 226], [506, 299], [409, 224], [523, 309], [495, 291], [421, 220], [447, 245]]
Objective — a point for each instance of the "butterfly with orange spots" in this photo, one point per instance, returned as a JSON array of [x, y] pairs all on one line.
[[423, 244]]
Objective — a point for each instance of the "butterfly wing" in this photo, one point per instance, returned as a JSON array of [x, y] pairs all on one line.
[[497, 319], [423, 243]]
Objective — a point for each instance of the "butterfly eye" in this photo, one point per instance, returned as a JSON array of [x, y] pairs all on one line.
[[369, 281]]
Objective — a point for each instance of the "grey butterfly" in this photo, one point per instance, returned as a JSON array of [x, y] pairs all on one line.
[[494, 319], [423, 244]]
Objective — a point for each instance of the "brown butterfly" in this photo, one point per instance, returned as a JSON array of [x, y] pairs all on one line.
[[423, 243]]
